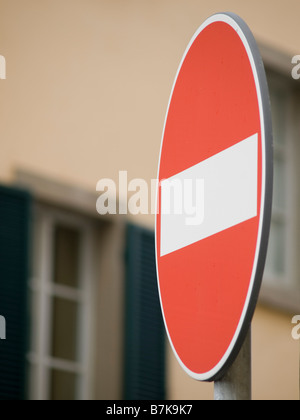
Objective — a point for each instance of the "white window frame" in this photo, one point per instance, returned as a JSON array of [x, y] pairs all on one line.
[[44, 289], [106, 346]]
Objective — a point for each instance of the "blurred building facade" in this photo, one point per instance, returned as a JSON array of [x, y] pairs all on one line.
[[85, 95]]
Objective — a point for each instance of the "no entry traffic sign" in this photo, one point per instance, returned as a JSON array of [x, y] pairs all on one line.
[[214, 196]]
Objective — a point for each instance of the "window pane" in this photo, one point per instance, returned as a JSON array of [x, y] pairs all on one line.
[[66, 256], [279, 201], [34, 320], [275, 263], [278, 107], [31, 374], [63, 386], [64, 329]]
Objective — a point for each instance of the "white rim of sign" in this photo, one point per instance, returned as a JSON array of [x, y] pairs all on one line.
[[234, 24]]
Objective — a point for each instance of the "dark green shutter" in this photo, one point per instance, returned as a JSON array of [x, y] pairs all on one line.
[[144, 334], [14, 257]]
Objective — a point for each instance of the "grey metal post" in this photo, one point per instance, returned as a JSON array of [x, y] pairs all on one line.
[[236, 383]]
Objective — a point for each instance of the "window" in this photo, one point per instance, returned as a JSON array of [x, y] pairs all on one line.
[[61, 291], [276, 266], [282, 266]]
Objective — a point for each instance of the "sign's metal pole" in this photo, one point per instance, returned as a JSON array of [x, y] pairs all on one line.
[[236, 383]]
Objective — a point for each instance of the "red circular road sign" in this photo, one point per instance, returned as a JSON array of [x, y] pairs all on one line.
[[214, 196]]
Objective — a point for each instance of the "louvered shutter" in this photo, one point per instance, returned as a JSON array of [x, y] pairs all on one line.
[[144, 334], [14, 257]]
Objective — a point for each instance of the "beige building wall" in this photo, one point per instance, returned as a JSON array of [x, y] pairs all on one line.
[[88, 82], [87, 88]]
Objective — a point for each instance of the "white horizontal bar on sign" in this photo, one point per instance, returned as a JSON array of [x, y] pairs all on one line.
[[212, 196]]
